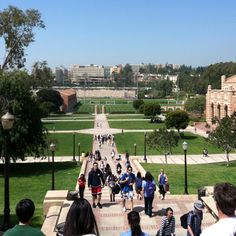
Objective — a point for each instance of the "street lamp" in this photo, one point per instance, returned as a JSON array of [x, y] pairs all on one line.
[[145, 147], [185, 148], [79, 153], [135, 148], [7, 123], [53, 148], [73, 146]]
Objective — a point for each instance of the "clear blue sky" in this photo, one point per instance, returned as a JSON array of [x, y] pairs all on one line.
[[110, 32]]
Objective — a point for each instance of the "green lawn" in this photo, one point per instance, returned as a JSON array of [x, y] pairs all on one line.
[[33, 180], [64, 143], [70, 117], [125, 116], [68, 125], [198, 175], [145, 124], [125, 142]]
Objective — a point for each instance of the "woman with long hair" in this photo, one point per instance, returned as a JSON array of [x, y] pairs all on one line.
[[80, 219], [134, 223]]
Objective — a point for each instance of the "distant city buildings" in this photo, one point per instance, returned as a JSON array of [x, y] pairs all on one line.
[[61, 75], [93, 74]]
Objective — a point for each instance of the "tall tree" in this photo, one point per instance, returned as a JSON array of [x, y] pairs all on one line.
[[16, 28], [163, 140], [196, 105], [50, 96], [28, 133], [152, 109], [224, 136], [177, 119], [41, 75]]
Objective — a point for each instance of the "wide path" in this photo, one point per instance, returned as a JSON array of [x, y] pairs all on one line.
[[112, 221]]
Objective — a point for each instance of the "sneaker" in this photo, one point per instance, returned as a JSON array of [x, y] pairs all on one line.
[[99, 205], [124, 209], [94, 205]]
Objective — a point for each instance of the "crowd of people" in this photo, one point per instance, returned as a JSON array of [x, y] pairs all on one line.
[[81, 220]]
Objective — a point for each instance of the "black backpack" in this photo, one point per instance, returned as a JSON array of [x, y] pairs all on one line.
[[184, 219]]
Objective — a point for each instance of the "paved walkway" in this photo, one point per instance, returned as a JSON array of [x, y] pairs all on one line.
[[112, 221]]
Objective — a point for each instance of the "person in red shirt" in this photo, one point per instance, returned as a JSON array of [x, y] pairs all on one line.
[[81, 183]]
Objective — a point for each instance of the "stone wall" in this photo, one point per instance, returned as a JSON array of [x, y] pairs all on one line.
[[105, 93]]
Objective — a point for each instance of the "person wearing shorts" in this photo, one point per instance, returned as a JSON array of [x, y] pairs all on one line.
[[128, 180], [95, 184]]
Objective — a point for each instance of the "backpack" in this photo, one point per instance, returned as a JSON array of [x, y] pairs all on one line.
[[184, 219], [150, 188]]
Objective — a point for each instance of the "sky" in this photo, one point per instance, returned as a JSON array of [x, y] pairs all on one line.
[[112, 32]]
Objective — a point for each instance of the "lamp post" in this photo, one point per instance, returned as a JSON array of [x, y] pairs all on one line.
[[79, 153], [73, 146], [53, 148], [185, 148], [7, 123], [145, 147], [135, 149]]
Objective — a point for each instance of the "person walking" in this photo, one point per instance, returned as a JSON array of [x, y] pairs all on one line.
[[162, 180], [128, 179], [225, 199], [148, 191], [194, 220], [167, 223], [138, 186], [111, 182], [81, 183], [95, 184], [134, 223]]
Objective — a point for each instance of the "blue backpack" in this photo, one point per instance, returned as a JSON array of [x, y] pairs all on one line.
[[150, 188]]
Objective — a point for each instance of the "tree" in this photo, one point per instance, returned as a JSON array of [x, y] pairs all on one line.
[[28, 135], [224, 136], [196, 105], [163, 140], [41, 75], [152, 109], [137, 103], [52, 96], [16, 28], [177, 119]]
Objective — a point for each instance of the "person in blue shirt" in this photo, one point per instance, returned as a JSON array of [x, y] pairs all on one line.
[[162, 180], [128, 180], [134, 223]]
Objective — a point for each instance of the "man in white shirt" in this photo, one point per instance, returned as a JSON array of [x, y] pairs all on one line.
[[225, 198]]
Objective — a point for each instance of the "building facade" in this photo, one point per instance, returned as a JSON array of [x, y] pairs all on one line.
[[221, 102], [69, 100]]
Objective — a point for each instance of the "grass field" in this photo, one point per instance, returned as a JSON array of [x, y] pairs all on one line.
[[125, 142], [125, 116], [33, 180], [145, 124], [68, 125], [198, 175], [64, 143], [70, 117]]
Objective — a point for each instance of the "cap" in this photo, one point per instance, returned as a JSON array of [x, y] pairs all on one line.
[[199, 205]]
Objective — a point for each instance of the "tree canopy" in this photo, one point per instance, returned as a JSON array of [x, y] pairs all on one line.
[[224, 136], [196, 105], [28, 133], [50, 96], [177, 119], [41, 75], [151, 109], [163, 140], [16, 28]]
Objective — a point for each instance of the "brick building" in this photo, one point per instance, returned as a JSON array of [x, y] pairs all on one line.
[[69, 99], [221, 102]]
